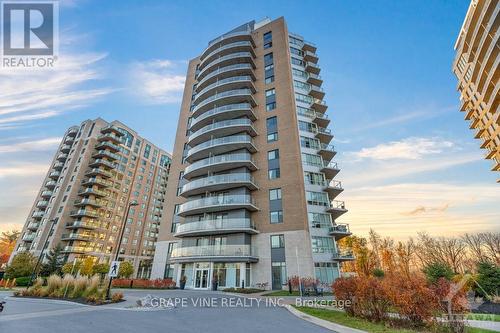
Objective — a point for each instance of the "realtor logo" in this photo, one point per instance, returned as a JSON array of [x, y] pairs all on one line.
[[29, 36]]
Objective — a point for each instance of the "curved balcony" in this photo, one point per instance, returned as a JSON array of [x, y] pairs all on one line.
[[333, 188], [217, 204], [340, 231], [46, 194], [330, 169], [316, 92], [54, 174], [65, 148], [69, 140], [50, 184], [58, 166], [226, 253], [225, 97], [229, 83], [227, 39], [62, 157], [235, 47], [100, 172], [81, 225], [216, 227], [105, 153], [219, 146], [342, 256], [219, 183], [219, 163], [319, 105], [38, 214], [97, 181], [225, 112], [91, 191], [100, 162], [324, 134], [337, 208], [42, 204], [314, 79], [312, 67], [222, 128], [33, 225], [109, 137], [229, 59], [108, 145], [73, 131], [224, 72]]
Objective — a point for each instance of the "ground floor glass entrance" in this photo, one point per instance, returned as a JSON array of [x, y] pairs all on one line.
[[202, 275]]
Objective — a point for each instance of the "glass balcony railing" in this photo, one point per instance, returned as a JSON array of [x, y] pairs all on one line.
[[226, 158], [219, 125], [51, 184], [217, 201], [84, 212], [223, 82], [42, 204], [220, 141], [109, 136], [82, 224], [38, 214], [100, 161], [219, 180], [236, 67], [29, 237], [97, 171], [217, 61], [219, 110], [91, 191], [224, 94], [215, 226], [215, 251], [106, 153], [47, 194], [223, 48]]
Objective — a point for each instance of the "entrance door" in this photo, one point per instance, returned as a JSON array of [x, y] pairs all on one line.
[[201, 279]]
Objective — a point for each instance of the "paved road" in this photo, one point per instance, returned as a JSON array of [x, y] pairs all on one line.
[[41, 316]]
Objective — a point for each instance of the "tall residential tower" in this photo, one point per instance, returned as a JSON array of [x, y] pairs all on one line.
[[251, 197], [97, 170], [477, 68]]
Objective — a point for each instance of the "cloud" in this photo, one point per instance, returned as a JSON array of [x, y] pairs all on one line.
[[438, 208], [27, 95], [158, 81], [419, 114], [423, 210], [22, 170], [32, 145], [410, 149]]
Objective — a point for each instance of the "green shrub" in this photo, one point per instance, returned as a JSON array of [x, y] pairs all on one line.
[[489, 279], [22, 264], [377, 272], [23, 281]]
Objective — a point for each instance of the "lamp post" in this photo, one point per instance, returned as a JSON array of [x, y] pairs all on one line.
[[130, 204], [40, 257]]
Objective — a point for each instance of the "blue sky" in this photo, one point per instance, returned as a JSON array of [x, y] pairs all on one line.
[[409, 161]]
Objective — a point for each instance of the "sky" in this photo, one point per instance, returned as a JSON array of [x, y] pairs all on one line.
[[409, 162]]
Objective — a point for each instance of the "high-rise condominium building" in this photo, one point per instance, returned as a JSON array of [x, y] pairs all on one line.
[[250, 200], [97, 171], [477, 68]]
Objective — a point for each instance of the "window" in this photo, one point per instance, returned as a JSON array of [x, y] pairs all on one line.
[[311, 143], [307, 127], [319, 220], [272, 129], [270, 99], [317, 198], [279, 276], [296, 51], [311, 159], [315, 178], [326, 272], [277, 241], [322, 244], [275, 194], [273, 155], [268, 40], [269, 68], [298, 62], [276, 216], [274, 173]]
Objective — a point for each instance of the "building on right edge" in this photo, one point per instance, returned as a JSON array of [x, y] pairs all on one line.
[[476, 66], [251, 197]]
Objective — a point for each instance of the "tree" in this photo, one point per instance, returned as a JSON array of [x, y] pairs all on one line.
[[488, 279], [126, 269], [435, 271], [54, 262], [72, 267], [22, 265], [101, 269], [87, 268], [7, 242]]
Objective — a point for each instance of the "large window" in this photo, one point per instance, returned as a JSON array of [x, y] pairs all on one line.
[[276, 216], [311, 159], [307, 126], [311, 143], [272, 129], [326, 272], [275, 194], [277, 241], [278, 272], [322, 244], [270, 99], [268, 40], [319, 220], [273, 164], [269, 68], [314, 178], [317, 198]]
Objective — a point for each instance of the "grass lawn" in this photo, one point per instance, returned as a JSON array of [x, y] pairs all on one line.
[[342, 318], [294, 293], [483, 316]]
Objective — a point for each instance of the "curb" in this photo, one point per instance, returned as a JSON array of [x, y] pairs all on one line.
[[323, 323]]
